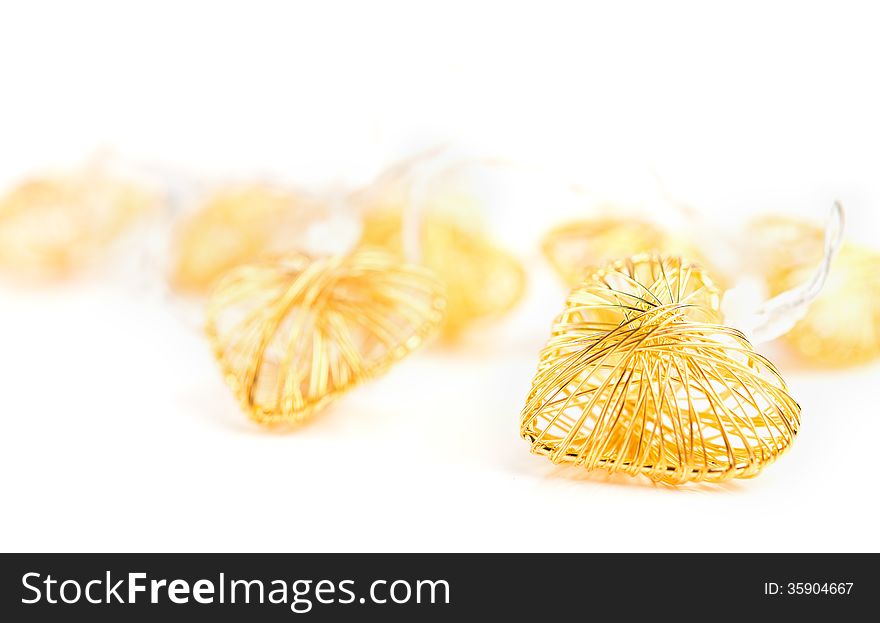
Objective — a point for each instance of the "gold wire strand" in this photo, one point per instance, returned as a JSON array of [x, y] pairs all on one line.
[[639, 377], [293, 333]]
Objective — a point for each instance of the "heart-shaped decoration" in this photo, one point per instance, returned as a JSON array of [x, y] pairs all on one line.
[[639, 377], [293, 333]]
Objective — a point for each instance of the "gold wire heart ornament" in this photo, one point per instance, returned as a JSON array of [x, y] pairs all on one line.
[[294, 333], [638, 377]]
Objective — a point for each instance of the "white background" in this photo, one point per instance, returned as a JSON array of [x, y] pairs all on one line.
[[117, 432]]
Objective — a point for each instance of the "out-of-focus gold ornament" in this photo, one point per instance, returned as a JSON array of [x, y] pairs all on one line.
[[842, 326], [236, 225], [575, 249], [639, 377], [293, 333], [55, 225], [445, 230], [784, 244]]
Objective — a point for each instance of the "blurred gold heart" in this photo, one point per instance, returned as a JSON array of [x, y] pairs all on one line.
[[235, 225], [483, 281], [295, 332], [55, 225], [576, 248], [842, 326]]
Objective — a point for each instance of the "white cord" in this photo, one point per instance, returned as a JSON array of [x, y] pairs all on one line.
[[778, 315]]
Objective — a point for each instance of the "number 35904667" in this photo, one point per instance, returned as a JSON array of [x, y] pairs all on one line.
[[808, 588]]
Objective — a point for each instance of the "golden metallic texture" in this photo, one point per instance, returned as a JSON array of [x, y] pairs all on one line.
[[293, 333], [638, 377]]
